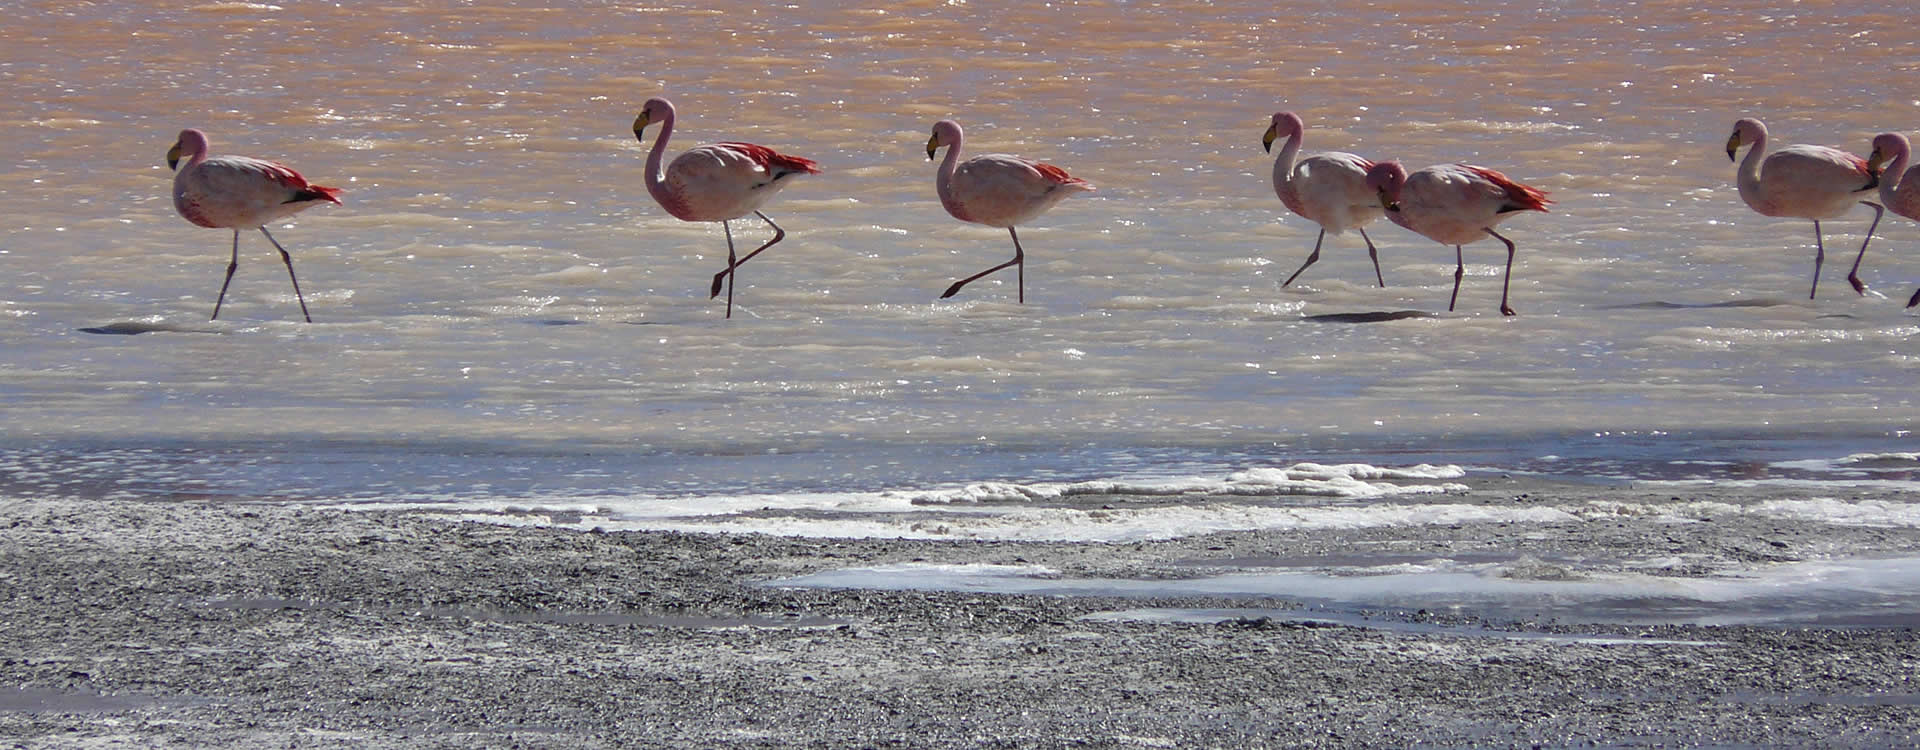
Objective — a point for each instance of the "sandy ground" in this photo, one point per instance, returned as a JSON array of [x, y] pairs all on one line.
[[188, 624]]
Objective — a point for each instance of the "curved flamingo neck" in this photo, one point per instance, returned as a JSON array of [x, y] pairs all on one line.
[[1893, 177], [656, 186], [1749, 178], [1283, 164], [943, 180]]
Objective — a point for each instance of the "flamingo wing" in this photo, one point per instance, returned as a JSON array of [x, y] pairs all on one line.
[[1002, 190]]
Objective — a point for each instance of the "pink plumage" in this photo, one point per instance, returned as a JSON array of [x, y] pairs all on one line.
[[997, 190], [1455, 204], [716, 182], [1329, 189], [238, 192], [1899, 184], [1805, 182]]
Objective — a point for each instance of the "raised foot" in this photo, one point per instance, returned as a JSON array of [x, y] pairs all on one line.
[[718, 279], [1857, 285], [953, 290]]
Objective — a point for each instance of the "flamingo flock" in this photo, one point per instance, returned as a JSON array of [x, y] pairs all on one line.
[[1453, 204]]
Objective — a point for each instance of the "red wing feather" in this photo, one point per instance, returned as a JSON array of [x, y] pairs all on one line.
[[1057, 175], [770, 159], [1522, 197]]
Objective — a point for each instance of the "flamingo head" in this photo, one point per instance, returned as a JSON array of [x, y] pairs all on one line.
[[1386, 179], [1887, 147], [945, 133], [191, 143], [1285, 125], [655, 110], [1746, 131]]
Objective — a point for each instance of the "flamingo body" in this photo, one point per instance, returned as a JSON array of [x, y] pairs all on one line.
[[238, 192], [1455, 204], [1329, 189], [716, 182], [997, 190], [1803, 182], [1899, 183]]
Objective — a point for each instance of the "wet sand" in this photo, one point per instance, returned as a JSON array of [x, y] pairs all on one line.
[[193, 624]]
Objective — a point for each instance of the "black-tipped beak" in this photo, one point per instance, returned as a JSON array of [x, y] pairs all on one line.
[[1266, 141], [640, 123], [933, 144], [1733, 144], [173, 156]]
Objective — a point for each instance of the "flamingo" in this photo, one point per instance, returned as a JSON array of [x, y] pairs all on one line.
[[716, 182], [1807, 182], [997, 190], [1455, 204], [1329, 189], [238, 192], [1899, 184]]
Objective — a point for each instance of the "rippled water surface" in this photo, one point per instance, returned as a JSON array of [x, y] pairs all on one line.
[[499, 274]]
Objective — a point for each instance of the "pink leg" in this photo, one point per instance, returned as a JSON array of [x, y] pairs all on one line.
[[1819, 258], [1314, 256], [231, 265], [1459, 270], [288, 259], [1019, 259], [778, 235], [1504, 309], [1375, 255], [1853, 276]]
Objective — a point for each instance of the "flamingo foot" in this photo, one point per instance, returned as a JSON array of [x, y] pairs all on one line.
[[1858, 286], [953, 290], [718, 280], [1507, 311]]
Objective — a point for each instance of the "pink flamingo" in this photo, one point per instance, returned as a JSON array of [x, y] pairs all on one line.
[[716, 182], [1455, 204], [1899, 184], [996, 190], [1806, 182], [238, 192], [1329, 189]]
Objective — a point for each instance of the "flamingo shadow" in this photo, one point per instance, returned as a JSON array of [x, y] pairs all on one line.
[[1379, 316], [135, 328]]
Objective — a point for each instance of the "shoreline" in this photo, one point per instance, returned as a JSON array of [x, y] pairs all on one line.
[[159, 623]]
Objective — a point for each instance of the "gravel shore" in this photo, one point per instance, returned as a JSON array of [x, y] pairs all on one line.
[[195, 624]]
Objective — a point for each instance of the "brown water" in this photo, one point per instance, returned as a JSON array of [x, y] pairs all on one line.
[[493, 192]]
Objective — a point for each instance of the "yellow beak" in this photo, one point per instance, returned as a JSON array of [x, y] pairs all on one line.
[[173, 156], [1733, 144], [933, 144], [1266, 141]]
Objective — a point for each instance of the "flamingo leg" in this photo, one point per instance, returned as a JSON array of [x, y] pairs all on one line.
[[287, 259], [1311, 257], [1504, 309], [778, 235], [231, 265], [728, 273], [1019, 259], [1459, 270], [1819, 258], [1914, 300], [1375, 255], [1853, 276]]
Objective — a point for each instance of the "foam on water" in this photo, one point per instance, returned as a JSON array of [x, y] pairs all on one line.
[[1882, 592]]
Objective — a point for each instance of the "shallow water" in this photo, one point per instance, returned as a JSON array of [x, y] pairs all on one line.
[[500, 306]]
